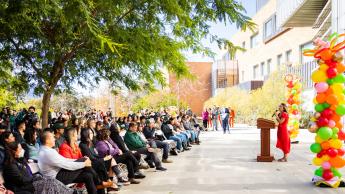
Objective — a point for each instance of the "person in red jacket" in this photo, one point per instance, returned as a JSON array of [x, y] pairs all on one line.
[[70, 149]]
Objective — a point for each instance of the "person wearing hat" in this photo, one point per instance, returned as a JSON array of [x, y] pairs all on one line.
[[59, 130]]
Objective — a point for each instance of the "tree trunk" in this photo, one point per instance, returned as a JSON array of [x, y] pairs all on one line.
[[45, 108]]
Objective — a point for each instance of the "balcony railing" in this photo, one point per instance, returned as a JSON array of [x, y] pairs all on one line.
[[304, 72]]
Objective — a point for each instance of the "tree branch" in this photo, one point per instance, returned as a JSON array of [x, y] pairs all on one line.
[[22, 53], [129, 11]]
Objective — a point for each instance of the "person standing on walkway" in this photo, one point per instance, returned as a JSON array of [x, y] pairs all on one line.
[[205, 118], [283, 138], [214, 118], [225, 120], [232, 117]]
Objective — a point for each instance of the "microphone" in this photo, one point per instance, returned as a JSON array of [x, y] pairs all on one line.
[[274, 113]]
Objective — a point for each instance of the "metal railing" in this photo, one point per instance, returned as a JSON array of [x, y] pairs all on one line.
[[304, 72]]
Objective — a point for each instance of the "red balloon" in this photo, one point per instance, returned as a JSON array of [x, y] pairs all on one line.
[[295, 112], [290, 101], [332, 72], [319, 155], [331, 63], [332, 153], [327, 175], [327, 113], [321, 122], [341, 152], [341, 134]]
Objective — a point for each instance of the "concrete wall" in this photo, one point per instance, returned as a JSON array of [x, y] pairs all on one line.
[[291, 39], [195, 92]]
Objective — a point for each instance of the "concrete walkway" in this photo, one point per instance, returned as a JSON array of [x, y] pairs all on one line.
[[226, 164]]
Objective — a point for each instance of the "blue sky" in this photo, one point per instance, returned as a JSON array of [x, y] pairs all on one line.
[[222, 30]]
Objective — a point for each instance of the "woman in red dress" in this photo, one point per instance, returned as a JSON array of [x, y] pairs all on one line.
[[283, 137]]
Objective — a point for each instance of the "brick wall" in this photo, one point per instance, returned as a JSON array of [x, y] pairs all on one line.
[[194, 92]]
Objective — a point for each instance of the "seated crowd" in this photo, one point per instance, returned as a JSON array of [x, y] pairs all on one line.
[[93, 151]]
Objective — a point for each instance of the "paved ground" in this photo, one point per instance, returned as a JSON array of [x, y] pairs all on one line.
[[226, 164]]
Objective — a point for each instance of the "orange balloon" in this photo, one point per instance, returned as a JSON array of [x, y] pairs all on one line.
[[321, 97], [325, 145], [324, 54], [333, 107], [339, 125], [336, 117], [332, 99], [337, 162], [329, 91], [340, 67]]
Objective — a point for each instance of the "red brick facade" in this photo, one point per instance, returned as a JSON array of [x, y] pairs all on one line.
[[194, 92]]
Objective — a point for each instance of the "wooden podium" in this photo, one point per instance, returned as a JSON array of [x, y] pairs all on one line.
[[265, 125]]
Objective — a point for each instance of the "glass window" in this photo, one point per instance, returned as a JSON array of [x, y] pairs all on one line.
[[255, 71], [269, 61], [279, 61], [244, 44], [288, 56], [305, 59], [262, 68], [270, 27], [254, 40]]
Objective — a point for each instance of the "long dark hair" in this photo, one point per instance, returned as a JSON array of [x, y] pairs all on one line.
[[5, 135], [68, 134], [85, 137], [284, 107], [11, 149], [29, 136]]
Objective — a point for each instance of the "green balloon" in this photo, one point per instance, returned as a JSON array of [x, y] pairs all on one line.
[[335, 130], [294, 107], [315, 148], [335, 136], [325, 133], [319, 172], [340, 109], [340, 78], [319, 107], [293, 91], [330, 81], [325, 105], [336, 172]]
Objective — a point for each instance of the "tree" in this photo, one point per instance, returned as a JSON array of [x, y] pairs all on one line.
[[54, 44]]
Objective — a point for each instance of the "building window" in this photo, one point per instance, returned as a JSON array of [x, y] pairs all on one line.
[[242, 75], [262, 68], [255, 71], [254, 40], [244, 44], [279, 61], [269, 61], [270, 27], [305, 59], [288, 56]]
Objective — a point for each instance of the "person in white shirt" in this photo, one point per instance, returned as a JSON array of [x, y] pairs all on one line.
[[66, 170]]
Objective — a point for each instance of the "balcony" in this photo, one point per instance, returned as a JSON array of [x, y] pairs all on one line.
[[298, 13], [304, 72]]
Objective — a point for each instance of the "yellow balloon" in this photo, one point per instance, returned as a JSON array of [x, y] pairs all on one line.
[[318, 139], [317, 161], [319, 76], [335, 143], [315, 101], [341, 97], [337, 88], [325, 158], [323, 67]]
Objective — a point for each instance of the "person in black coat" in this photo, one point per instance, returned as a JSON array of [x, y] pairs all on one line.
[[17, 174], [116, 137], [100, 165]]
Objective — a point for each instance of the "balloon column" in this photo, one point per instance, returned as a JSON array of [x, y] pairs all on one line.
[[293, 100], [330, 107]]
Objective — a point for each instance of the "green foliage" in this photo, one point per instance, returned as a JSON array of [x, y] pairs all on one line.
[[254, 104], [157, 100]]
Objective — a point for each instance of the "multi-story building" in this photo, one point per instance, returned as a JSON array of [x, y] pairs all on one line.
[[271, 47]]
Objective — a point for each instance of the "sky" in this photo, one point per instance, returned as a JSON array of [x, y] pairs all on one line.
[[223, 31]]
